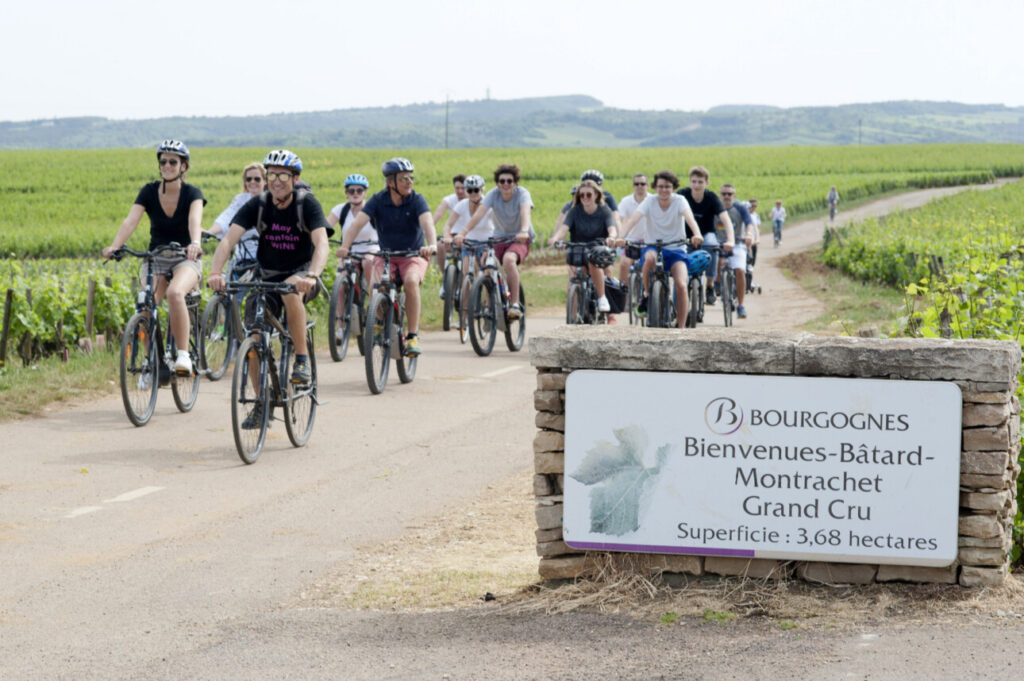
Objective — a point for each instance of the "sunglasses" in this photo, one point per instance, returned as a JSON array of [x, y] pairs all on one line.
[[169, 162], [284, 177], [586, 195], [728, 193], [355, 190], [472, 191], [256, 178], [639, 184], [506, 180]]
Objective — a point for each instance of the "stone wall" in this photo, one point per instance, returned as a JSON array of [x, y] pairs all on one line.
[[986, 372]]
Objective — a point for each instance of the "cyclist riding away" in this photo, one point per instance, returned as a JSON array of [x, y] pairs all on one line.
[[292, 248], [590, 220], [175, 210], [708, 211], [404, 223]]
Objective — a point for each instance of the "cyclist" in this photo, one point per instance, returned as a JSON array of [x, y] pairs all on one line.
[[778, 217], [609, 200], [668, 216], [743, 225], [565, 208], [589, 220], [755, 235], [833, 202], [175, 210], [404, 223], [346, 213], [510, 206], [708, 211], [454, 229], [292, 248], [628, 206], [254, 181], [448, 204]]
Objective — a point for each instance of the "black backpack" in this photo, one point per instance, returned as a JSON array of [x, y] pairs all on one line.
[[300, 198]]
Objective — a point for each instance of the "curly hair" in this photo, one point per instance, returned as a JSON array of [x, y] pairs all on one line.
[[507, 169]]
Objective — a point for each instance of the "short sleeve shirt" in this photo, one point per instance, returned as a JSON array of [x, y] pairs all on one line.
[[484, 229], [163, 228], [706, 212], [741, 221], [506, 213], [283, 245], [665, 224], [398, 227], [367, 233], [628, 206], [609, 200], [585, 226]]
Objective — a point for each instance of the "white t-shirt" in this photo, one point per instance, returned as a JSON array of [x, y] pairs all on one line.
[[368, 233], [628, 206], [451, 200], [666, 225], [483, 230]]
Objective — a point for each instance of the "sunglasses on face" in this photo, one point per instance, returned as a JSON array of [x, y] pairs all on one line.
[[586, 195], [506, 180], [728, 193], [169, 162], [253, 179], [354, 190], [639, 184], [284, 177], [472, 191]]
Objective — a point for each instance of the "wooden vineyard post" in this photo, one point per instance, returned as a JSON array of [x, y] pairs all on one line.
[[90, 305], [8, 304]]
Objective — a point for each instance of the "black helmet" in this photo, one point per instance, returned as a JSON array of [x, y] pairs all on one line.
[[594, 175], [396, 165], [600, 256]]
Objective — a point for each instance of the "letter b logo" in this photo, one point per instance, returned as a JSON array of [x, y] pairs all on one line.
[[723, 416]]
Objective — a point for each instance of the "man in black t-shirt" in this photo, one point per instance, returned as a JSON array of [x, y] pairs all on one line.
[[290, 249], [707, 211]]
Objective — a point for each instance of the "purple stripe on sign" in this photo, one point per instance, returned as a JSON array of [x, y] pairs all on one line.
[[644, 548]]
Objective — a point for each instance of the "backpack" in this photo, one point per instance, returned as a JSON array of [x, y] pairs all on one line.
[[345, 210], [300, 198]]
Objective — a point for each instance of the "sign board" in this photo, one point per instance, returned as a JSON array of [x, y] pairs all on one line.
[[791, 468]]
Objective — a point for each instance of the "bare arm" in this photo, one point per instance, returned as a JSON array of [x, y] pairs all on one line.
[[350, 234], [481, 211], [524, 224], [221, 255], [195, 230], [442, 208], [429, 235], [126, 230]]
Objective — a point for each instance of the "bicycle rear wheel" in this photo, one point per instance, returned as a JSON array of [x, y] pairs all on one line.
[[139, 370], [515, 329], [217, 337], [406, 365], [250, 404], [693, 313], [483, 327], [185, 389], [574, 305], [450, 276], [467, 285], [339, 317], [378, 343], [728, 293], [300, 408], [634, 293]]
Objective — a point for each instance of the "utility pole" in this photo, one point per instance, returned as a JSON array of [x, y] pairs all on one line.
[[860, 131], [446, 121]]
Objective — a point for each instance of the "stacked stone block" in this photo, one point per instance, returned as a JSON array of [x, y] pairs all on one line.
[[986, 372]]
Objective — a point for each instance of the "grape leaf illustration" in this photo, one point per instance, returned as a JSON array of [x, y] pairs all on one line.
[[621, 480]]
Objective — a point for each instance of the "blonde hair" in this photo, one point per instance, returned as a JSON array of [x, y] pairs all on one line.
[[251, 166], [588, 184]]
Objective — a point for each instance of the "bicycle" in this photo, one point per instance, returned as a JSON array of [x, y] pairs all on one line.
[[452, 286], [581, 298], [347, 307], [142, 368], [661, 310], [385, 328], [635, 285], [489, 305], [750, 272], [699, 262], [262, 382], [221, 326], [474, 250], [727, 284]]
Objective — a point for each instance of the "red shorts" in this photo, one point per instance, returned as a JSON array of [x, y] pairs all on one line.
[[519, 248], [402, 266]]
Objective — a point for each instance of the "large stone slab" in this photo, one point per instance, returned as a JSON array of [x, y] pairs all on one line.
[[910, 573], [753, 568], [837, 573], [980, 576]]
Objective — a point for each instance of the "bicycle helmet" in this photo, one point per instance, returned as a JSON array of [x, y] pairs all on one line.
[[357, 180], [173, 147], [396, 165], [574, 188], [283, 158], [474, 182], [699, 262], [600, 256], [594, 175]]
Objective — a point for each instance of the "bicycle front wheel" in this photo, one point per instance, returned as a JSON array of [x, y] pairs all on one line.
[[483, 326], [634, 292], [466, 286], [139, 370], [406, 365], [515, 329], [339, 317], [217, 337], [574, 305], [300, 408], [250, 400], [377, 342], [728, 293], [693, 314], [450, 285], [657, 305], [185, 389]]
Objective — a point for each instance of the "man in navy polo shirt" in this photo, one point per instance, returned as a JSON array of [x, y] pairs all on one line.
[[404, 223]]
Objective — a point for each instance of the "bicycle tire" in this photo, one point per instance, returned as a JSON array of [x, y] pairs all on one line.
[[634, 293], [657, 306], [245, 399], [728, 291], [693, 313], [467, 286], [359, 303], [515, 329], [217, 339], [574, 305], [378, 343], [406, 366], [185, 389], [450, 277], [139, 359], [483, 325], [339, 317], [300, 404]]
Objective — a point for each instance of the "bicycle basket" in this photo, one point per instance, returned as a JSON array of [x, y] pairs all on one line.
[[632, 252], [576, 256], [699, 262]]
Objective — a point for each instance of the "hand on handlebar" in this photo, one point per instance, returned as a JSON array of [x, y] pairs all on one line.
[[305, 284], [193, 251], [216, 281], [427, 251], [696, 240], [108, 252]]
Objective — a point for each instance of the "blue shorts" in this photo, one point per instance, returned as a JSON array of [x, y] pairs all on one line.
[[671, 257]]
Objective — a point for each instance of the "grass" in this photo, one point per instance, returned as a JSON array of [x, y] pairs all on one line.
[[30, 390]]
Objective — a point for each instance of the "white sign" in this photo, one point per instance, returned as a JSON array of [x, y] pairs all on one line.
[[793, 468]]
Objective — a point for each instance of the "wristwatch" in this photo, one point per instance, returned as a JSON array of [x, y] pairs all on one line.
[[311, 274]]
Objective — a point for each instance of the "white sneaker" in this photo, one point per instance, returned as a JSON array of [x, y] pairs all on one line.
[[145, 381], [602, 304], [183, 365], [440, 292]]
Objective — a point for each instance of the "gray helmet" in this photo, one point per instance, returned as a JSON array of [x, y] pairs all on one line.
[[173, 147], [474, 182], [283, 158], [594, 175]]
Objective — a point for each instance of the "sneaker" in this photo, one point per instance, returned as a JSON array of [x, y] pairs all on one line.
[[741, 312], [710, 297], [301, 373], [440, 292], [602, 304], [412, 346], [145, 381], [641, 309], [255, 418], [515, 311], [183, 365]]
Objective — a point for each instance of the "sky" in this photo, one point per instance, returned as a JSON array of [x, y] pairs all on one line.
[[129, 59]]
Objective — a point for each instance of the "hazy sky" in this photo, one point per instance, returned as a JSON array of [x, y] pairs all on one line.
[[131, 59]]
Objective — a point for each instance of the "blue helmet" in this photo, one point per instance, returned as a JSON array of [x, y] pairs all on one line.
[[699, 261], [396, 165], [173, 147], [283, 158], [357, 179]]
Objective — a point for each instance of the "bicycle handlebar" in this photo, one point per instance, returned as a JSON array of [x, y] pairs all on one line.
[[119, 253], [260, 285]]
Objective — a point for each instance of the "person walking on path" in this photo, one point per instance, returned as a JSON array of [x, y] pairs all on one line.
[[778, 217]]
